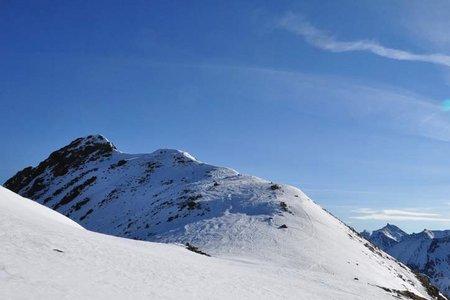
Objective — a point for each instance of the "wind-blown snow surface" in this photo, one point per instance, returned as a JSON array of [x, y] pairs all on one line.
[[46, 256], [169, 196]]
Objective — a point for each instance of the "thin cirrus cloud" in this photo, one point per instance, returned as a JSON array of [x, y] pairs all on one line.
[[381, 106], [320, 39], [397, 215], [374, 105], [364, 210]]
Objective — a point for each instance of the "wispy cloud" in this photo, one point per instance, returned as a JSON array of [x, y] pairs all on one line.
[[364, 210], [427, 24], [397, 215], [337, 97], [333, 97], [321, 39]]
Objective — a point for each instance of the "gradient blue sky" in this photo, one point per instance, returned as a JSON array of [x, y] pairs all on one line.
[[340, 98]]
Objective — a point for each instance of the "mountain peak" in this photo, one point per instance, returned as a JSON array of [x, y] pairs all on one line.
[[70, 157], [385, 237], [391, 227], [392, 232], [91, 140]]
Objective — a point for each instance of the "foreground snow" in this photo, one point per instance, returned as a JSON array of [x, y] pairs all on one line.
[[266, 240], [43, 255]]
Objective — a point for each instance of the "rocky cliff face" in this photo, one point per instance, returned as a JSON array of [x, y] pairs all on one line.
[[35, 182]]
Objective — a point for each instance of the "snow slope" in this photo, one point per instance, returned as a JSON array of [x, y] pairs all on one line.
[[267, 240], [428, 252], [46, 256]]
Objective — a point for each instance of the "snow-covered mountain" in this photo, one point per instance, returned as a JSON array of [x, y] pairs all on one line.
[[44, 255], [266, 240], [385, 237], [427, 252]]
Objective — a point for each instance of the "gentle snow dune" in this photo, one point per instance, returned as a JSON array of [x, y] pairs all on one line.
[[14, 206], [44, 255]]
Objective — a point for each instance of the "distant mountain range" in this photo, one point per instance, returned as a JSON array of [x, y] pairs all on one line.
[[251, 228], [427, 252]]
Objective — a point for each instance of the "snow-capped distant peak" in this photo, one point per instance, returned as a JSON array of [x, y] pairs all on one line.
[[429, 233], [386, 236], [426, 251], [393, 232]]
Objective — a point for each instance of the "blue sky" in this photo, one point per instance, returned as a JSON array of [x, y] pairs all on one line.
[[343, 99]]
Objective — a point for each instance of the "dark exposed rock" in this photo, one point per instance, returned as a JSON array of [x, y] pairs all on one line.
[[21, 179], [195, 249], [74, 192], [114, 194], [80, 204], [60, 162], [284, 206], [151, 166], [171, 218], [121, 162], [431, 289], [190, 203], [72, 182], [38, 185], [86, 214], [401, 294], [275, 187]]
